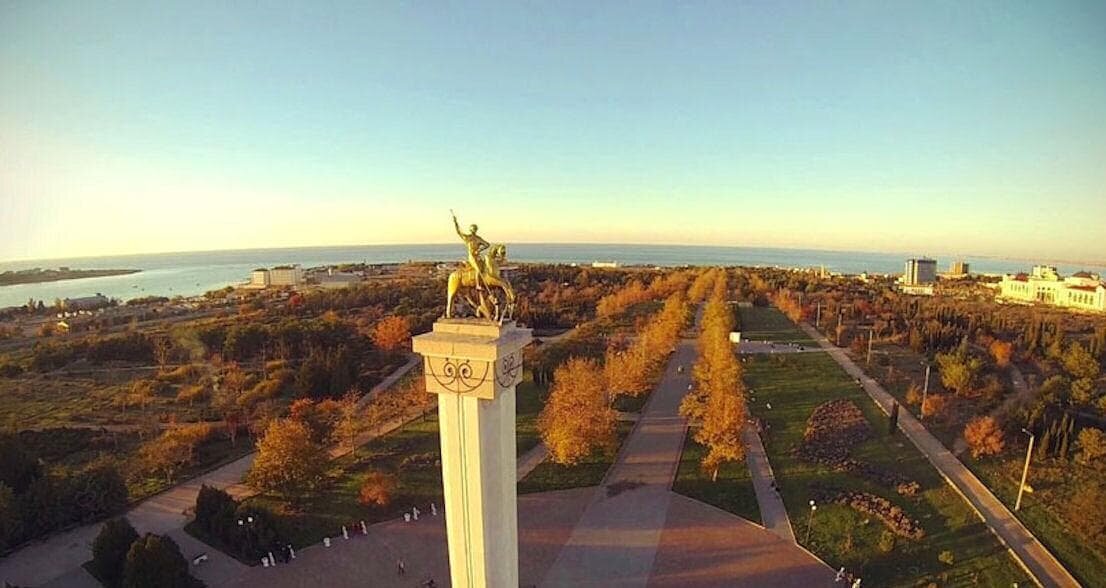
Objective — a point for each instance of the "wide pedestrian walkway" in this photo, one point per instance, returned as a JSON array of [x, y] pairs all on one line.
[[773, 513], [616, 540]]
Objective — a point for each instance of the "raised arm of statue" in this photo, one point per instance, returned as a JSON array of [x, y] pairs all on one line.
[[456, 225]]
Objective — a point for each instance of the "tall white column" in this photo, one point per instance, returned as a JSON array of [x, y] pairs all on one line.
[[473, 365]]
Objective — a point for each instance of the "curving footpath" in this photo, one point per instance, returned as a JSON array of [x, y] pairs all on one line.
[[1027, 550]]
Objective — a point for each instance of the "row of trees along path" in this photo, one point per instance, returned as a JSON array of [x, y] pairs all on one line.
[[635, 495], [1040, 563]]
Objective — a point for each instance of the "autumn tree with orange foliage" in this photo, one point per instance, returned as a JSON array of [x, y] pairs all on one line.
[[984, 436], [788, 303], [703, 284], [627, 296], [1001, 351], [717, 400], [377, 489], [288, 460], [391, 333], [577, 418], [934, 405]]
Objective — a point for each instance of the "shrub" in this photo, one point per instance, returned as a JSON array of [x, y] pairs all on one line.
[[984, 436], [886, 542], [180, 375], [1086, 511], [192, 393], [9, 518], [99, 490], [18, 467], [377, 489], [110, 548], [946, 557], [1093, 443], [913, 395], [934, 405], [10, 370]]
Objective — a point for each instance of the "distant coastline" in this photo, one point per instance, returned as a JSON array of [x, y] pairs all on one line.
[[193, 273], [37, 276]]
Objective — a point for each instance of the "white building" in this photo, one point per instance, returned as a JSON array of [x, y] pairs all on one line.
[[604, 264], [1083, 290], [282, 275], [259, 278], [286, 275], [919, 271]]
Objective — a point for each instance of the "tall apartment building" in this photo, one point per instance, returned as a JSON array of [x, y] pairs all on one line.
[[1044, 285], [919, 271], [959, 268]]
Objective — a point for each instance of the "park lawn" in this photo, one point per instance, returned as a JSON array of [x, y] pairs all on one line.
[[411, 453], [1042, 517], [732, 491], [590, 471], [795, 385], [766, 323], [529, 401], [1084, 559]]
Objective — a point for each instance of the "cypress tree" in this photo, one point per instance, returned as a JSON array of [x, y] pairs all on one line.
[[1044, 445]]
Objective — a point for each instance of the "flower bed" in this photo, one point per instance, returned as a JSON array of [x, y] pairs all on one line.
[[893, 517], [832, 429]]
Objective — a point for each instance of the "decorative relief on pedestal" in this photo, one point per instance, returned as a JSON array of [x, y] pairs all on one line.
[[458, 375], [508, 368]]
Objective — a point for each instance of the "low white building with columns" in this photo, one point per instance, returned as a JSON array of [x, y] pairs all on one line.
[[1082, 290]]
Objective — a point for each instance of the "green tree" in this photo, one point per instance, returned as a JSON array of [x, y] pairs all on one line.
[[9, 517], [154, 560], [110, 548], [18, 468], [958, 371], [1082, 391], [1056, 389], [1080, 363], [215, 510]]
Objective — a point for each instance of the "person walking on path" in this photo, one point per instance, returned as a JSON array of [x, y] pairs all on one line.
[[400, 568]]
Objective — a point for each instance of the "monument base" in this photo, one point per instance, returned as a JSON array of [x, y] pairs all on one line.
[[474, 365]]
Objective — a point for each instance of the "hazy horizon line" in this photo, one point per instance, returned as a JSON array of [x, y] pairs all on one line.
[[931, 254]]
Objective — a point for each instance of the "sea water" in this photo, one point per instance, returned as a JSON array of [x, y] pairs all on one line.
[[187, 274]]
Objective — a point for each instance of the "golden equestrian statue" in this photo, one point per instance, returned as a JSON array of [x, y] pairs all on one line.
[[480, 282]]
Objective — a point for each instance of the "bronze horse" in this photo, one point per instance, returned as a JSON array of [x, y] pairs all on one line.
[[487, 303]]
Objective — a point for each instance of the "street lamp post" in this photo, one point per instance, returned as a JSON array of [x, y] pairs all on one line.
[[871, 335], [810, 521], [248, 530], [1025, 470]]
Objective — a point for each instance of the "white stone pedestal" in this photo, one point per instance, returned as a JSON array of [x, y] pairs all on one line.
[[474, 365]]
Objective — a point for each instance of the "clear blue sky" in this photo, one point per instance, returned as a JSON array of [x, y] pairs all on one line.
[[929, 127]]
